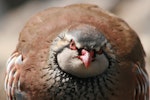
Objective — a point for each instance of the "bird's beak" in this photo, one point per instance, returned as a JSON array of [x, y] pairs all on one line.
[[86, 57]]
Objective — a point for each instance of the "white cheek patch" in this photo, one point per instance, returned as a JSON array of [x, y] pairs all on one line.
[[100, 64], [65, 58], [68, 62]]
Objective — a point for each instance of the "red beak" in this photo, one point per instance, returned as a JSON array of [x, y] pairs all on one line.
[[86, 57]]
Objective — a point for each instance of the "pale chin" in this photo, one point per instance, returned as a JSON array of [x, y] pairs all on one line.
[[69, 63]]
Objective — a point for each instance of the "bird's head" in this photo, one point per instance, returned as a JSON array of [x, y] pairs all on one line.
[[79, 51]]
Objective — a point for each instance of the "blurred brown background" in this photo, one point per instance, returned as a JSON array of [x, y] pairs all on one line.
[[15, 13]]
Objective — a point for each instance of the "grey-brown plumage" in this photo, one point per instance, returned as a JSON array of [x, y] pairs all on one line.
[[77, 52]]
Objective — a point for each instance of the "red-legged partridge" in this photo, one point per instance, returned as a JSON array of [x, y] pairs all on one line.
[[77, 52]]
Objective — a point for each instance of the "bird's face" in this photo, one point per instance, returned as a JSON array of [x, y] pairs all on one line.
[[80, 51]]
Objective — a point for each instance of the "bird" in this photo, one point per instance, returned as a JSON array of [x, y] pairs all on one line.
[[77, 52]]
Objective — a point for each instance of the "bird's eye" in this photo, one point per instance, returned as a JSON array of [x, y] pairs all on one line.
[[72, 45]]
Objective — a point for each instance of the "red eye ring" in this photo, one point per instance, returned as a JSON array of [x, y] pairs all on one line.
[[72, 45]]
